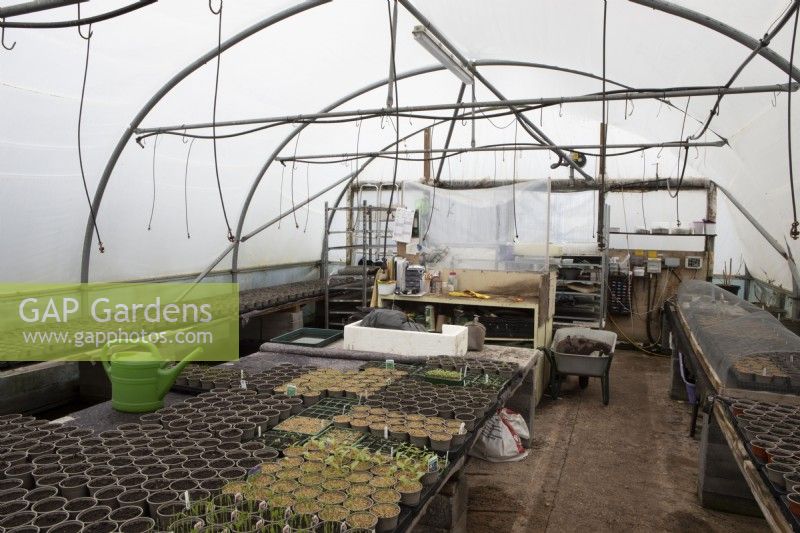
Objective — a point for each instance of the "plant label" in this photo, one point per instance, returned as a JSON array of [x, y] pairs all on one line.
[[291, 390], [243, 384], [462, 428], [486, 379], [259, 430], [390, 364], [433, 464], [186, 498], [385, 431]]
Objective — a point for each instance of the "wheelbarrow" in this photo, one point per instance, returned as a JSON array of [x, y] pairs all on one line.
[[583, 366]]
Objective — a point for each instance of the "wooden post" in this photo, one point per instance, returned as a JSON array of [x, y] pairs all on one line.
[[426, 170]]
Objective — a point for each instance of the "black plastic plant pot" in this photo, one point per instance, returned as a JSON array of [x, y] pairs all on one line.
[[138, 525], [97, 513], [47, 520], [70, 526], [123, 514], [78, 505], [103, 526]]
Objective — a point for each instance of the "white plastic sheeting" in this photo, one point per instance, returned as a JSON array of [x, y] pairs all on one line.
[[310, 60]]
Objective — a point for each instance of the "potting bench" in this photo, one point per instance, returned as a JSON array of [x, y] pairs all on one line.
[[729, 479], [102, 417]]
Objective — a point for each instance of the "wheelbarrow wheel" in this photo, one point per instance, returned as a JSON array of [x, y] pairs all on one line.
[[583, 381]]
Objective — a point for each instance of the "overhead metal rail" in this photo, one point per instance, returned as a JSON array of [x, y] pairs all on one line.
[[505, 148], [35, 6], [79, 21], [520, 104]]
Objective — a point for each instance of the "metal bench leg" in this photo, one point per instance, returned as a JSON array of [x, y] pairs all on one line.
[[605, 381], [695, 412]]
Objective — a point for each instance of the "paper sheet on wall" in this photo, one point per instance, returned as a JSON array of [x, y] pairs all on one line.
[[403, 224]]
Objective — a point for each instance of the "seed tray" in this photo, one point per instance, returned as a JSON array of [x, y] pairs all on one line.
[[341, 435], [327, 408], [407, 367], [295, 425], [493, 381], [275, 438], [309, 337]]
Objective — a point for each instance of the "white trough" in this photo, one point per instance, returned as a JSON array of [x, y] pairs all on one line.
[[451, 341]]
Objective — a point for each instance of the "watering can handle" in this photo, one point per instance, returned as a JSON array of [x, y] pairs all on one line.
[[105, 351]]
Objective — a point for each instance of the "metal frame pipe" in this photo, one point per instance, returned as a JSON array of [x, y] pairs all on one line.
[[484, 105], [531, 128], [720, 27], [764, 233], [35, 6], [78, 22], [450, 129], [520, 147], [151, 103]]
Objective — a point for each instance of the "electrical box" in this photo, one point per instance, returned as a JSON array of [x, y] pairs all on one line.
[[694, 262], [654, 266], [672, 262]]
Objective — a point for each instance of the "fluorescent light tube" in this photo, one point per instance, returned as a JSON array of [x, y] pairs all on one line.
[[437, 50]]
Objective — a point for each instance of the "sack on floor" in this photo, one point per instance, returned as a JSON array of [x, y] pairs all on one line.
[[501, 438]]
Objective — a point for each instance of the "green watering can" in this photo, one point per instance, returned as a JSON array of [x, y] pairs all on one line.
[[140, 379]]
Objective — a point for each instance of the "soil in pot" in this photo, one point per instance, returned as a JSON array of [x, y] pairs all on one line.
[[70, 526], [157, 499], [41, 493], [104, 526], [74, 487], [47, 520], [387, 514], [76, 506], [167, 513], [138, 525], [410, 492], [98, 483], [94, 514], [9, 508], [108, 496], [20, 518], [133, 497], [53, 503], [23, 471], [365, 521], [123, 514]]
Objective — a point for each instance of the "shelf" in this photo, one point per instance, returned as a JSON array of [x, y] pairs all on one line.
[[662, 234], [591, 294]]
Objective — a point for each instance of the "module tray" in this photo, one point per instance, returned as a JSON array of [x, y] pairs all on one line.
[[309, 337]]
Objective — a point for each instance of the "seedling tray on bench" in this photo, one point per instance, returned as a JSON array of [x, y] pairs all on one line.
[[327, 408], [309, 337]]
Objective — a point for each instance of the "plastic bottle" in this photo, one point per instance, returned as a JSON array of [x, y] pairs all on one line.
[[452, 280]]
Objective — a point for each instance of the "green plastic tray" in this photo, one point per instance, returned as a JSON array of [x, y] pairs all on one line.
[[310, 337]]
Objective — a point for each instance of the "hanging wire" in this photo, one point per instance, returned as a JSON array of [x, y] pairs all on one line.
[[514, 185], [280, 196], [308, 198], [186, 189], [218, 13], [3, 38], [685, 158], [153, 204], [294, 165], [397, 129], [794, 233], [80, 122]]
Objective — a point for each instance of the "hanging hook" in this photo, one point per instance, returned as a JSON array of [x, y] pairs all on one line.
[[658, 155], [211, 8], [696, 152], [3, 39], [541, 113], [775, 99], [560, 109], [183, 137], [84, 37], [633, 108]]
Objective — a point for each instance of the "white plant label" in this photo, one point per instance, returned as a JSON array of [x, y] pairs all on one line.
[[390, 364], [291, 390], [462, 428], [486, 379], [186, 498], [243, 384], [433, 464], [385, 431], [259, 430]]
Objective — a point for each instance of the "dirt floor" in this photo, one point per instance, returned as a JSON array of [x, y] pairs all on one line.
[[630, 466]]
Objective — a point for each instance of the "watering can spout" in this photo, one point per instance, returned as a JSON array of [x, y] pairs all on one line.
[[168, 375]]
